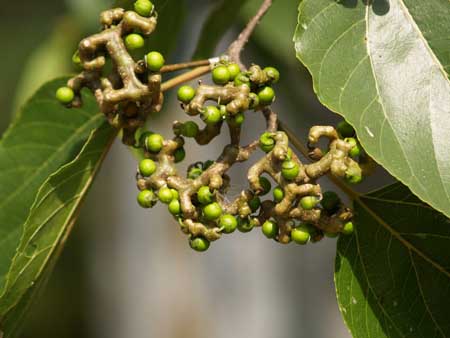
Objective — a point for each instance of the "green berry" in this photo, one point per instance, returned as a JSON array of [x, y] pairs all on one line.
[[146, 198], [212, 211], [245, 225], [199, 244], [266, 96], [228, 223], [266, 142], [175, 194], [65, 95], [348, 228], [265, 184], [154, 143], [239, 118], [234, 70], [165, 195], [330, 201], [147, 167], [270, 229], [134, 41], [254, 203], [189, 129], [211, 115], [273, 74], [76, 58], [186, 94], [174, 207], [278, 194], [207, 164], [143, 137], [355, 151], [204, 195], [308, 202], [155, 61], [289, 169], [353, 178], [301, 235], [221, 75], [254, 100], [345, 129], [241, 79], [194, 173], [179, 154], [143, 7]]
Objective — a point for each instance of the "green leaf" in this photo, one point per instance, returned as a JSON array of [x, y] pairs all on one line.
[[393, 275], [385, 67], [221, 18], [44, 136], [49, 224]]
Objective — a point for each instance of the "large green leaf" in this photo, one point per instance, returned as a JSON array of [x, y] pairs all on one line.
[[393, 275], [44, 136], [384, 66], [48, 225]]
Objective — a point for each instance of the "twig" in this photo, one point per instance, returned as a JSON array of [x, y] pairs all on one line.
[[188, 76], [184, 65]]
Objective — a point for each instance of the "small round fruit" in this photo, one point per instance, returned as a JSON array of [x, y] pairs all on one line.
[[239, 118], [204, 195], [270, 229], [266, 96], [76, 58], [348, 228], [241, 79], [147, 167], [134, 41], [207, 164], [308, 202], [234, 70], [273, 74], [194, 173], [278, 194], [186, 94], [179, 155], [212, 115], [330, 201], [154, 143], [199, 244], [155, 61], [146, 198], [174, 207], [265, 184], [355, 151], [189, 129], [345, 129], [254, 203], [254, 100], [143, 137], [301, 235], [245, 225], [65, 95], [175, 194], [290, 170], [143, 7], [228, 223], [165, 195], [353, 178], [212, 211], [266, 142], [221, 75]]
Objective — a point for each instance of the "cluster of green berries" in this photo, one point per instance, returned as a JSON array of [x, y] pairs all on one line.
[[347, 132]]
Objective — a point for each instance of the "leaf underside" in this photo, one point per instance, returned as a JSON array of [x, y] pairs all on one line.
[[385, 68], [393, 275]]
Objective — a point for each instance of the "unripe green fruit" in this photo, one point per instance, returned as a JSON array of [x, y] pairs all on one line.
[[179, 155], [254, 100], [165, 195], [273, 74], [245, 225], [355, 151], [174, 207], [221, 75], [134, 41], [204, 195], [147, 167], [270, 229], [211, 115], [241, 79], [143, 7], [239, 119], [143, 137], [186, 94], [266, 96], [207, 164], [289, 169], [345, 129], [212, 211], [76, 58], [155, 61], [353, 178], [146, 198], [266, 142], [254, 203], [330, 201], [278, 194], [234, 70], [175, 194], [65, 95], [189, 129], [194, 173], [199, 244], [308, 202], [348, 228], [154, 143], [301, 235], [265, 184], [228, 223]]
